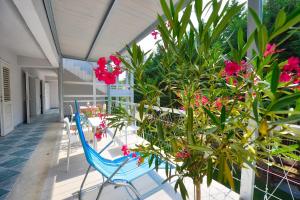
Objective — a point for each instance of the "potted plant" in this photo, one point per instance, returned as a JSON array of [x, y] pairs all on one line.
[[225, 110]]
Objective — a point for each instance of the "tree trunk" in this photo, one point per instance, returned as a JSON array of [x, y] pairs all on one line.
[[197, 190]]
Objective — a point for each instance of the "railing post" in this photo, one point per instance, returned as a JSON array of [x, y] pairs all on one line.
[[248, 174]]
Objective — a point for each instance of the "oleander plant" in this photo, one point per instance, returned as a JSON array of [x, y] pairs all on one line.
[[225, 111]]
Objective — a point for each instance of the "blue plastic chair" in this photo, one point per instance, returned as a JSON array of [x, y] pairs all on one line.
[[119, 172]]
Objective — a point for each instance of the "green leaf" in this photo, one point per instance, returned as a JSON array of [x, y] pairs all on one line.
[[284, 101], [280, 19], [255, 109], [254, 16], [184, 21], [160, 130], [248, 44], [141, 110], [198, 9], [211, 116], [190, 122], [275, 78], [183, 190], [228, 175], [209, 171], [285, 149], [240, 39], [223, 117], [166, 10], [221, 168], [288, 120], [293, 21]]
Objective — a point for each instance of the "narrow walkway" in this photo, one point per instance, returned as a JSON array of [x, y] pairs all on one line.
[[17, 150]]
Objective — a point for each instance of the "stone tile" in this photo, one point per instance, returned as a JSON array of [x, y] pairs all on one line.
[[3, 193], [13, 162], [22, 152], [7, 174], [4, 148], [32, 145]]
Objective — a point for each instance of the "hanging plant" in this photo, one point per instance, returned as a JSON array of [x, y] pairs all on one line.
[[103, 73]]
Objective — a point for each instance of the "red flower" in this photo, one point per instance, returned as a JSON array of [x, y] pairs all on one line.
[[218, 103], [204, 100], [271, 49], [98, 135], [183, 154], [109, 78], [117, 71], [154, 34], [284, 77], [102, 62], [232, 68], [115, 60]]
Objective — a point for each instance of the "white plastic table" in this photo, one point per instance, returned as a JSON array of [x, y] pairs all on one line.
[[94, 123]]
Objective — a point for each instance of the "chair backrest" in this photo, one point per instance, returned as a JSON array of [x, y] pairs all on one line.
[[93, 158], [67, 124]]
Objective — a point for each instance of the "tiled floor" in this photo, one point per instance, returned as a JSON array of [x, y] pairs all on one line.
[[16, 149]]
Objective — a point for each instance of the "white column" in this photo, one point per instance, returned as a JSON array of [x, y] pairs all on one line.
[[248, 175], [60, 90], [27, 98], [94, 90]]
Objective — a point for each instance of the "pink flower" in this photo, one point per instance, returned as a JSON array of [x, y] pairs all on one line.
[[133, 155], [292, 65], [271, 49], [284, 77], [232, 68], [125, 150], [154, 34], [115, 60], [204, 100]]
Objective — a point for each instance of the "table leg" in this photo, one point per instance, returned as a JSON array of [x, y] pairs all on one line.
[[95, 139]]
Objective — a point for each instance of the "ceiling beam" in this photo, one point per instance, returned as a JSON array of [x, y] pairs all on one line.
[[36, 21], [51, 21], [100, 28]]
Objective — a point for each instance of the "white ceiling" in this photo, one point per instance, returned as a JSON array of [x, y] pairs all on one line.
[[14, 35], [78, 21]]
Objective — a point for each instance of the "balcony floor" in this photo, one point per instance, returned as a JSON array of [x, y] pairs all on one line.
[[44, 175]]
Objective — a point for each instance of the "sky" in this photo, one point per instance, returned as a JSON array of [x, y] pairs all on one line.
[[148, 43]]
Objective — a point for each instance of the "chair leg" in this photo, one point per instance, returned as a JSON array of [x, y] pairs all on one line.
[[134, 190], [81, 186], [68, 156], [100, 190]]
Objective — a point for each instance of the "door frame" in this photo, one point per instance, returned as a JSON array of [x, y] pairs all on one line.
[[2, 117]]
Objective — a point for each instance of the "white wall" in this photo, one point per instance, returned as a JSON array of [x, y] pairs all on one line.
[[54, 102], [17, 96]]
